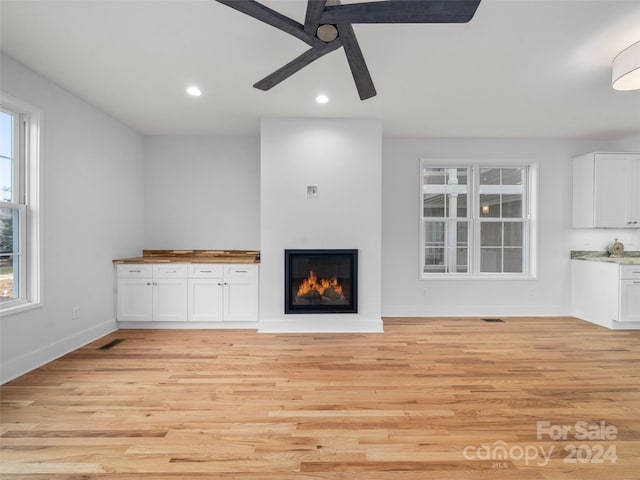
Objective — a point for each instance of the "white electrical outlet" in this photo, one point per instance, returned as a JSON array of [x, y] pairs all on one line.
[[75, 313]]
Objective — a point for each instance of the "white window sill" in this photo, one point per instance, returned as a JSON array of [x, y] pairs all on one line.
[[467, 276], [19, 308]]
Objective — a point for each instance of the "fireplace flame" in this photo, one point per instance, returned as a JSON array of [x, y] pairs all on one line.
[[324, 287]]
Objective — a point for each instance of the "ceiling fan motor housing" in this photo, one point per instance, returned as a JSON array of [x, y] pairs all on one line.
[[327, 33]]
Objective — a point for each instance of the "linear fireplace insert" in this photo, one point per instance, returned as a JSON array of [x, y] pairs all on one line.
[[321, 281]]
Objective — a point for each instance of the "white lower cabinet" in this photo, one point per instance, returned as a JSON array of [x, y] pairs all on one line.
[[630, 293], [152, 293], [187, 292], [607, 294]]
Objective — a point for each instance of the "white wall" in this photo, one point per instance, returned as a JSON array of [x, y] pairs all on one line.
[[343, 158], [91, 177], [202, 193], [405, 294]]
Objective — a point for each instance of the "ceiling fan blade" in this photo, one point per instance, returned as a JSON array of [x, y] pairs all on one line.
[[271, 17], [315, 8], [296, 64], [359, 69], [402, 11]]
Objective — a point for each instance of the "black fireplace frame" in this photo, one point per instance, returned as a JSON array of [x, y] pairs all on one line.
[[351, 307]]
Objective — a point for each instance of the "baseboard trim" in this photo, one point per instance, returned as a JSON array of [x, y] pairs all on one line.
[[37, 358]]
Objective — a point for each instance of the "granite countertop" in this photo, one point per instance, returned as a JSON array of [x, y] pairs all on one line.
[[628, 258], [194, 256]]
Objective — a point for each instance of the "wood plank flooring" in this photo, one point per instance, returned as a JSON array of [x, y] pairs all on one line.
[[445, 398]]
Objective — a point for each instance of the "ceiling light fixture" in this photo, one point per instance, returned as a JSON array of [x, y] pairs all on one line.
[[322, 99], [194, 91], [625, 74]]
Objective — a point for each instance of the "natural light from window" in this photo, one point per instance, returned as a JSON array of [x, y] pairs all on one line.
[[477, 221]]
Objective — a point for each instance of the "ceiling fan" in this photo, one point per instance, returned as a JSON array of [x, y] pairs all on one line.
[[328, 26]]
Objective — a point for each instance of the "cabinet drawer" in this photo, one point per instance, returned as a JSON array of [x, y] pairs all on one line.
[[241, 271], [170, 270], [205, 270], [630, 272], [132, 270]]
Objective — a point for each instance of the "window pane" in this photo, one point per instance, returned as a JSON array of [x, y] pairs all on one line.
[[513, 260], [434, 233], [489, 206], [489, 176], [6, 135], [462, 205], [9, 260], [6, 157], [446, 247], [462, 260], [9, 240], [462, 233], [491, 234], [434, 176], [6, 179], [434, 260], [435, 205], [490, 260], [512, 206], [512, 176], [8, 283], [513, 234]]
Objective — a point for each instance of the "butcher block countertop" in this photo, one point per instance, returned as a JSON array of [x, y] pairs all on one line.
[[194, 256]]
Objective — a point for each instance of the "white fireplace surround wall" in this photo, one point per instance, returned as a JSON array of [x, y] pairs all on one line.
[[343, 159]]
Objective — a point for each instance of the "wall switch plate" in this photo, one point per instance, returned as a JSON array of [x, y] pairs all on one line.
[[312, 191]]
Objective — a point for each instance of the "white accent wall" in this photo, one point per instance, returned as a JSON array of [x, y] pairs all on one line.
[[92, 212], [343, 159], [202, 193]]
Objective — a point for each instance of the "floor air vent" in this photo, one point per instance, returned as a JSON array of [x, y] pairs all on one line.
[[493, 320], [111, 344]]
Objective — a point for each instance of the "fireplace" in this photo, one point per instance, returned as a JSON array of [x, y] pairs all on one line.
[[321, 281]]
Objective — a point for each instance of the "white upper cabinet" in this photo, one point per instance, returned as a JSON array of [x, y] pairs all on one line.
[[606, 190]]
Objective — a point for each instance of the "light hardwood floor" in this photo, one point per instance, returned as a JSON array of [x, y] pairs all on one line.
[[417, 402]]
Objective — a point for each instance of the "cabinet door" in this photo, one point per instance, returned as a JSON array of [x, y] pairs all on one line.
[[135, 300], [241, 300], [616, 185], [240, 293], [630, 300], [170, 300], [205, 300]]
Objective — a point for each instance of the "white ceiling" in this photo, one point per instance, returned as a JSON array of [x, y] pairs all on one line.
[[520, 68]]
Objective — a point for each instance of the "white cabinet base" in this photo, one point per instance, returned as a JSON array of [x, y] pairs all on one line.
[[187, 295], [600, 294]]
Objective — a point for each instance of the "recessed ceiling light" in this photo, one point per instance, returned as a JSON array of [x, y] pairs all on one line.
[[322, 99], [194, 91]]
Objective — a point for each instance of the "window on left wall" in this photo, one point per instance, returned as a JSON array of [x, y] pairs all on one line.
[[19, 207]]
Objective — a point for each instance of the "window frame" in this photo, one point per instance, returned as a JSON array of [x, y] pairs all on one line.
[[26, 201], [529, 219]]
